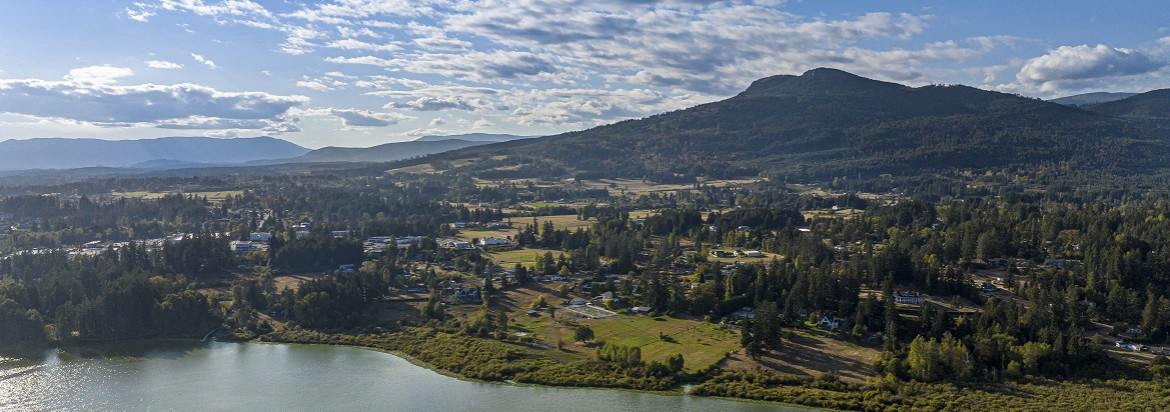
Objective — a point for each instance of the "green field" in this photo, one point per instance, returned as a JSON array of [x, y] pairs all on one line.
[[526, 257], [701, 344]]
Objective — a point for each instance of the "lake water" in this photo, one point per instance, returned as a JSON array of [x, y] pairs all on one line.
[[269, 377]]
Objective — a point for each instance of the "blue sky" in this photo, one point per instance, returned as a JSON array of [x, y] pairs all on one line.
[[361, 73]]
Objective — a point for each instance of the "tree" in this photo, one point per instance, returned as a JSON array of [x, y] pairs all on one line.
[[583, 333]]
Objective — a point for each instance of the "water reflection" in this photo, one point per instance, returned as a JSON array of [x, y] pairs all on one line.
[[229, 376]]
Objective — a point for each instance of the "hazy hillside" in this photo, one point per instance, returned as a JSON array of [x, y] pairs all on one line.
[[65, 153], [828, 123], [475, 137], [1091, 98], [382, 153]]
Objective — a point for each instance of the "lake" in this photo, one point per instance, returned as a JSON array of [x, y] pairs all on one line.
[[217, 376]]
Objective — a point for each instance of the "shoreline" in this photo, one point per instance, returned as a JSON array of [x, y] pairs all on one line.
[[426, 365]]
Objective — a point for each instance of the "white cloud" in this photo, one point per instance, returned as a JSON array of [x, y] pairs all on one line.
[[352, 44], [482, 123], [476, 66], [366, 118], [139, 15], [92, 95], [438, 121], [97, 75], [353, 118], [315, 85], [204, 60], [1074, 66], [160, 64]]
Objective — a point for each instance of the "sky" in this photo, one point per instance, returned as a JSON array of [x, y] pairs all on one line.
[[358, 73]]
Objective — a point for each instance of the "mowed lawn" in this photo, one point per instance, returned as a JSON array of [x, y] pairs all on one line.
[[701, 344]]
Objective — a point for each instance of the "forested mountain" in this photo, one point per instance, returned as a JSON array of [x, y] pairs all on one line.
[[1152, 104], [829, 123], [65, 153]]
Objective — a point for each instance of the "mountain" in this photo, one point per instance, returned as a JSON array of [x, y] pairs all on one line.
[[475, 137], [828, 123], [1149, 105], [382, 153], [66, 153], [1091, 98]]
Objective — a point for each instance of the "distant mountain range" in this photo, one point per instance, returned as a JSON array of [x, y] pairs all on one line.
[[66, 153], [1091, 98], [828, 123], [203, 152]]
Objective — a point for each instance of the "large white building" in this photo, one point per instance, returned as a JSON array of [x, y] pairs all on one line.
[[909, 298]]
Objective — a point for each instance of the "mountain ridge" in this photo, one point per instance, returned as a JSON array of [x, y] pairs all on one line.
[[829, 123], [72, 153]]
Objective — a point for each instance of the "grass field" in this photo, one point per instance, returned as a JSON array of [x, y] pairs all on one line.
[[701, 344], [526, 257]]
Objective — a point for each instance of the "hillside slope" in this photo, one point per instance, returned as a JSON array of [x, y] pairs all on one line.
[[828, 123]]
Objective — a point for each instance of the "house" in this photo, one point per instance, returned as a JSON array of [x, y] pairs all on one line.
[[498, 225], [346, 268], [754, 254], [722, 254], [462, 245], [467, 294], [459, 225], [987, 287], [302, 233], [260, 236], [241, 246], [743, 228], [640, 309], [494, 241], [577, 302], [380, 239], [909, 298], [406, 240], [831, 322], [744, 313], [341, 234], [1133, 331]]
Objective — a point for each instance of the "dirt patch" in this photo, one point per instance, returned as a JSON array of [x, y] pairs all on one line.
[[292, 281], [811, 356]]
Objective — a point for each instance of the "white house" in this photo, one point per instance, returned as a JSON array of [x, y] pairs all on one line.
[[494, 241], [260, 236], [753, 253], [241, 246], [830, 322], [909, 298]]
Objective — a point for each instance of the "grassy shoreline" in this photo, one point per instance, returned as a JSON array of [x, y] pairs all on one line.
[[365, 342]]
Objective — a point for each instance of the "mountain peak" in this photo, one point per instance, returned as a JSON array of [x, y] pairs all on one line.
[[816, 81], [829, 72]]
